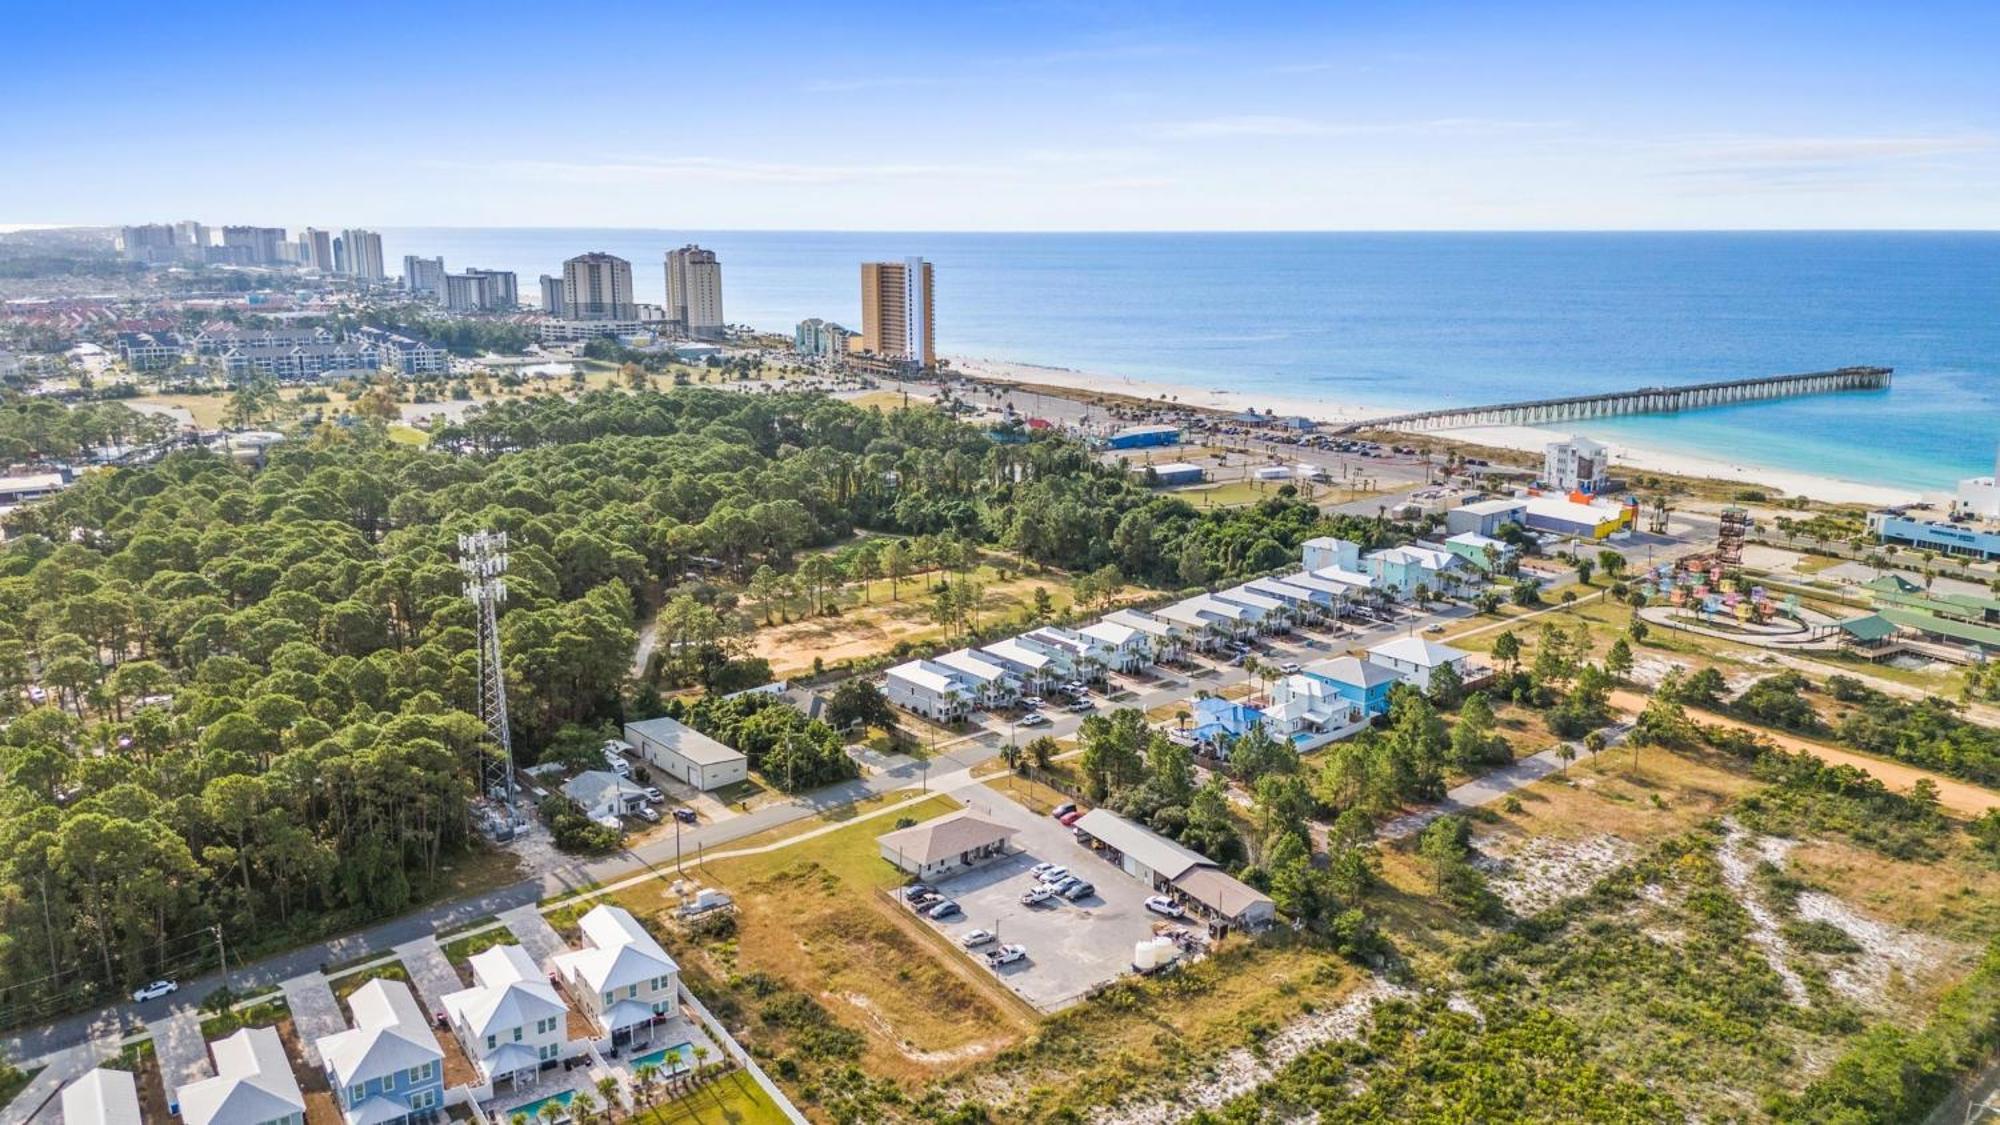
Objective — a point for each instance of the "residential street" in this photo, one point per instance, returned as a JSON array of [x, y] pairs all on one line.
[[947, 767]]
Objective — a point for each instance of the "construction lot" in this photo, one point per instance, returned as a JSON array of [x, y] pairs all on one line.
[[1073, 947]]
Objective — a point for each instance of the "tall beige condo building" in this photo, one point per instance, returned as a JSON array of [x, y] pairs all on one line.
[[694, 290], [598, 286], [896, 310]]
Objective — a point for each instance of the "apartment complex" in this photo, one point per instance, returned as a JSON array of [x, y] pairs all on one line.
[[552, 295], [316, 250], [896, 311], [363, 251], [598, 286], [1576, 465], [694, 290], [822, 338], [254, 246], [480, 291], [150, 242], [424, 276]]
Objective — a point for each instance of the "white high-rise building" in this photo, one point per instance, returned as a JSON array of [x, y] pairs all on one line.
[[364, 254], [552, 295], [598, 286], [1576, 465], [316, 250], [423, 275], [694, 290]]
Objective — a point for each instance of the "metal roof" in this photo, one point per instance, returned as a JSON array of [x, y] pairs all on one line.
[[1159, 854]]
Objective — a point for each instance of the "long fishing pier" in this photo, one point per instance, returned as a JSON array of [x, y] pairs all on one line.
[[1645, 400]]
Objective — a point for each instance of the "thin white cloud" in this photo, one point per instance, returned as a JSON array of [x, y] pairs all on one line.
[[1279, 125], [1828, 150], [1815, 163], [855, 85], [727, 170]]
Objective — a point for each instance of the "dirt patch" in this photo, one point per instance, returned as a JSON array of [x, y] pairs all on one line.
[[1243, 1070], [1534, 874], [1738, 854], [874, 1018]]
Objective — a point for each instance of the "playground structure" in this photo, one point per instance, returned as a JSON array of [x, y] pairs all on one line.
[[1698, 594], [1704, 587]]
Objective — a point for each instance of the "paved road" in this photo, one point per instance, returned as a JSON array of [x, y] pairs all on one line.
[[655, 856]]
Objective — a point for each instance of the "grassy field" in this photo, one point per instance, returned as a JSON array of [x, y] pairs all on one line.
[[872, 620], [823, 968], [734, 1099]]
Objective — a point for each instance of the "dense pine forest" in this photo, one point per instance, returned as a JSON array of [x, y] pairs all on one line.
[[239, 696]]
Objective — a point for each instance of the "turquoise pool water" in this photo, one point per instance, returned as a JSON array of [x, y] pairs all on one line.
[[533, 1110], [681, 1054]]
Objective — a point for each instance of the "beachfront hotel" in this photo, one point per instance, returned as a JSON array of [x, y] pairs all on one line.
[[896, 311], [694, 291], [598, 286]]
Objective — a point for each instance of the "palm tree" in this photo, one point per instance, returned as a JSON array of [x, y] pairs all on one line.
[[644, 1077], [607, 1088], [700, 1057], [583, 1108]]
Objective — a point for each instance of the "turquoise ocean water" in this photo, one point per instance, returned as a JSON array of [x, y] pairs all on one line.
[[1420, 320]]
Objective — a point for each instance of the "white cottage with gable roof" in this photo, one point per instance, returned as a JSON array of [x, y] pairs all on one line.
[[253, 1084], [622, 979], [511, 1021]]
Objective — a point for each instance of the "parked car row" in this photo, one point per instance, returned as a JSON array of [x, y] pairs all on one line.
[[1055, 881], [927, 901]]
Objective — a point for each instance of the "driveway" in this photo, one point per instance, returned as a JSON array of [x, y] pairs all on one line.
[[430, 972], [534, 933], [315, 1011], [178, 1047]]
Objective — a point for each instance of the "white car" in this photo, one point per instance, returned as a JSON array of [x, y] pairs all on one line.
[[652, 794], [1161, 904], [1054, 874], [1035, 896], [975, 938], [1034, 719], [155, 990], [647, 813], [1041, 868], [1006, 955], [1031, 701]]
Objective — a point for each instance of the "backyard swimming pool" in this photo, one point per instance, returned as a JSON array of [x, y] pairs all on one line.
[[670, 1060]]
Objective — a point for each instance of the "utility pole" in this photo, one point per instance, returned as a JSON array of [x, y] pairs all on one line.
[[483, 558], [221, 954]]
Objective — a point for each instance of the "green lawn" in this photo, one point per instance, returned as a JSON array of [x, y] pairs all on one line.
[[343, 987], [735, 1099]]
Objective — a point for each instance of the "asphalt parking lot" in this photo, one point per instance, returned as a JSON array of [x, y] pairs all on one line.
[[1072, 946]]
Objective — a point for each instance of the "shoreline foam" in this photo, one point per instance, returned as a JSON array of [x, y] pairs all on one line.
[[1528, 439]]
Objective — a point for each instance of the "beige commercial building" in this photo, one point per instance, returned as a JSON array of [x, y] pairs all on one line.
[[598, 286], [694, 290], [896, 311]]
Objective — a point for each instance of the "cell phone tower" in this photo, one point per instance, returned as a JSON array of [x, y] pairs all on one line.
[[483, 558]]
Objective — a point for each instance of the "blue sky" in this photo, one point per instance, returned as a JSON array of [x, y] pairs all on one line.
[[997, 116]]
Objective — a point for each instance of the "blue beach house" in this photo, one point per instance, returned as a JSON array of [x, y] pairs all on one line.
[[388, 1068], [1219, 721], [1363, 683]]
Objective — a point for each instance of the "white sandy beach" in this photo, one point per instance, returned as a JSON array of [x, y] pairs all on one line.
[[1526, 438]]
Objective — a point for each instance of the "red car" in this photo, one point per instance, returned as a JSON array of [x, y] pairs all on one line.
[[1071, 817]]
